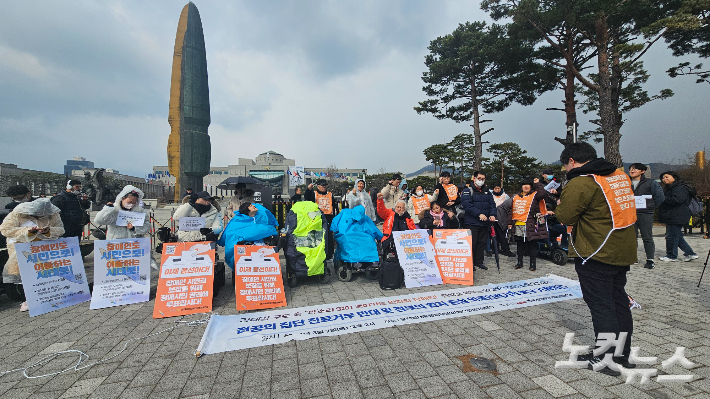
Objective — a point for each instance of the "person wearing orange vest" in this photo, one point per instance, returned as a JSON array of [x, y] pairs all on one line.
[[598, 203], [327, 204], [418, 202], [395, 220], [528, 219], [448, 196]]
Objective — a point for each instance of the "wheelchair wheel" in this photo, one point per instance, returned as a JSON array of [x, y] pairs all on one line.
[[559, 257], [345, 273], [323, 278]]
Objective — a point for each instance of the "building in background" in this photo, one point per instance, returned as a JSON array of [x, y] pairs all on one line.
[[270, 167], [77, 163]]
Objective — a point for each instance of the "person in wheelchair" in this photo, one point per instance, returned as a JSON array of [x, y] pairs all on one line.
[[250, 225], [357, 237], [395, 220]]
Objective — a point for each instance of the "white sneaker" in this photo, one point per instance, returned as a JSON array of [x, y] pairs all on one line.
[[24, 307], [688, 258], [667, 259]]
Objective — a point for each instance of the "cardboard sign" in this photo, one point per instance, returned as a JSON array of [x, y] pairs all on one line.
[[121, 272], [135, 218], [258, 282], [417, 258], [453, 255], [53, 274], [188, 223], [186, 279]]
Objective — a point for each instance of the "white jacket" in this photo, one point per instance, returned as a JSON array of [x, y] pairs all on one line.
[[361, 198], [108, 215], [410, 205], [213, 220], [391, 195]]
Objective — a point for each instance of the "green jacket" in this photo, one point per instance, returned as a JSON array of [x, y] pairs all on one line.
[[583, 206]]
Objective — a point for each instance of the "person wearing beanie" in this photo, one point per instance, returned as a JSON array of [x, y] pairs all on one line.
[[200, 206], [72, 205], [392, 192]]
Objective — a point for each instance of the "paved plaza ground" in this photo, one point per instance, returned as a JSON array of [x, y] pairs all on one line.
[[411, 361]]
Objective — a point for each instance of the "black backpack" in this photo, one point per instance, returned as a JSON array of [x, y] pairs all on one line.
[[696, 208], [391, 275]]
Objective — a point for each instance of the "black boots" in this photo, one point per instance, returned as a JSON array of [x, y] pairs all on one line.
[[533, 264], [520, 260]]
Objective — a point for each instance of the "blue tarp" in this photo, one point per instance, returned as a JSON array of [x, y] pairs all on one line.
[[356, 236], [246, 228]]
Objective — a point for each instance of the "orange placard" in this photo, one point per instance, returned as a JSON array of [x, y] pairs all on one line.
[[453, 255], [186, 279], [257, 282]]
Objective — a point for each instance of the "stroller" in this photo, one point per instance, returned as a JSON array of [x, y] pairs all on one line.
[[305, 242], [357, 240]]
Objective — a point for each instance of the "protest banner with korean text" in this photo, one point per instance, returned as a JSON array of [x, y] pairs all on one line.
[[258, 281], [121, 272], [186, 279], [453, 255], [417, 258], [53, 274]]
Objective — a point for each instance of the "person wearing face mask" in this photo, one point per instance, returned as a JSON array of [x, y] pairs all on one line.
[[127, 200], [479, 212], [28, 222], [395, 220], [420, 202], [73, 205], [358, 196], [19, 194], [201, 206]]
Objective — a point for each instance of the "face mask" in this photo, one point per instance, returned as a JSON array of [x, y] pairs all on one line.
[[480, 183], [128, 206], [76, 192], [420, 193]]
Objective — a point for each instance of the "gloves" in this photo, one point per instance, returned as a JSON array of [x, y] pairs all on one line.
[[205, 230]]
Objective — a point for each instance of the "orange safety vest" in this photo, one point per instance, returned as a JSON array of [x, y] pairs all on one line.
[[521, 207], [451, 191], [420, 204], [619, 197], [325, 202]]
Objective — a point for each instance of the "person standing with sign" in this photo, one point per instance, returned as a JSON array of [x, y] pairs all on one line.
[[528, 217], [127, 201], [650, 194], [326, 203], [448, 194], [28, 221], [599, 205], [419, 202], [200, 207]]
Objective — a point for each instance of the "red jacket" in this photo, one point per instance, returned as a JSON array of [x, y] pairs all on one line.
[[388, 216]]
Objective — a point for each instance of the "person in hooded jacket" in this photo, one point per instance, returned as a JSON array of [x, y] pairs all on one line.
[[241, 195], [200, 207], [19, 194], [419, 202], [358, 196], [127, 200], [437, 218], [674, 212], [528, 219], [28, 221], [73, 205], [479, 212], [395, 220]]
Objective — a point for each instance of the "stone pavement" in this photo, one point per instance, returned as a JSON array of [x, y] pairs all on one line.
[[412, 361]]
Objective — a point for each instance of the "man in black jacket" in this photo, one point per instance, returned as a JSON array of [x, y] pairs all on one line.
[[649, 194], [480, 211], [73, 205]]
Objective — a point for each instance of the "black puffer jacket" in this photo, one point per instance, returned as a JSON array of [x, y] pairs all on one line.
[[476, 202], [73, 211], [674, 209]]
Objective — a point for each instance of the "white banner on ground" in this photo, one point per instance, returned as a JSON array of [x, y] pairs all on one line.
[[417, 257], [53, 274], [296, 176], [121, 272], [228, 333]]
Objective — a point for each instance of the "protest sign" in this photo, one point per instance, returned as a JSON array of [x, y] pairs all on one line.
[[552, 185], [53, 274], [189, 223], [295, 176], [121, 272], [453, 255], [227, 333], [417, 258], [186, 279], [258, 282], [135, 218]]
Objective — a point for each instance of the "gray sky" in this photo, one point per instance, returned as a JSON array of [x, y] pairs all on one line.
[[322, 82]]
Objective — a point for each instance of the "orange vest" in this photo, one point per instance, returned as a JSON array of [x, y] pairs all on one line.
[[521, 207], [325, 202], [420, 204], [451, 191]]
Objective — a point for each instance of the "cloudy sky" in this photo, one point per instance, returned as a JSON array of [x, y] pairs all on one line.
[[324, 82]]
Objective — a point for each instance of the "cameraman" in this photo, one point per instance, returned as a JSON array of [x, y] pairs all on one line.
[[72, 204]]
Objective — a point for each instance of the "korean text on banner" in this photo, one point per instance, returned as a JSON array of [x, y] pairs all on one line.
[[453, 255], [121, 272], [52, 274], [188, 223], [258, 282], [249, 330], [296, 176], [417, 258], [186, 279], [135, 218]]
